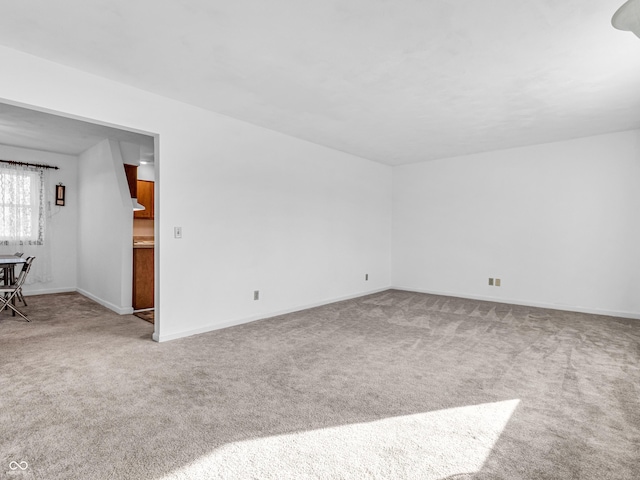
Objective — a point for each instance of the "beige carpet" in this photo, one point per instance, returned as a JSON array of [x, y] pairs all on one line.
[[395, 385]]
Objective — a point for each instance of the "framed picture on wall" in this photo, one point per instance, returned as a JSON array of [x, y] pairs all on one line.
[[60, 195]]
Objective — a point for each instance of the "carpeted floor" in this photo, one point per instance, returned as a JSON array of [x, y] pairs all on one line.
[[395, 385]]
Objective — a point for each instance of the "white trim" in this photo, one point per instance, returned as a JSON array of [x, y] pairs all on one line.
[[253, 318], [104, 303], [528, 303], [47, 291]]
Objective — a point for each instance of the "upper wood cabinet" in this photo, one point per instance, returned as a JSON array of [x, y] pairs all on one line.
[[146, 198], [131, 171]]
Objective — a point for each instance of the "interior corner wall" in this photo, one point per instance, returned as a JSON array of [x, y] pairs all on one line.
[[63, 221], [557, 223], [259, 210], [105, 228]]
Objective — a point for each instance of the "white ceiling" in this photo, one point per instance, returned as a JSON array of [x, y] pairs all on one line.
[[396, 81], [26, 128]]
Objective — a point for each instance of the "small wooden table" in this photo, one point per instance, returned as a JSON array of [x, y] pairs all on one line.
[[8, 265]]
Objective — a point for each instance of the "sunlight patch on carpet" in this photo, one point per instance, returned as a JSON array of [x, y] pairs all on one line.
[[432, 445]]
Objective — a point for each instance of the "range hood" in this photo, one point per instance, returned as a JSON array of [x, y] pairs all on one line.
[[136, 206], [132, 179]]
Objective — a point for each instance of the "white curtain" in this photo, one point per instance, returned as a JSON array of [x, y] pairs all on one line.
[[24, 215]]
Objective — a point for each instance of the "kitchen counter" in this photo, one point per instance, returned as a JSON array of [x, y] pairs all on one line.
[[143, 242]]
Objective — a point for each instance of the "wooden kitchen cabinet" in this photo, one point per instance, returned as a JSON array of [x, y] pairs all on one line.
[[131, 171], [143, 278], [146, 198]]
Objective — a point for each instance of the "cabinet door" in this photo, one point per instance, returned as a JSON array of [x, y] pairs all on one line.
[[131, 171], [145, 197], [143, 278]]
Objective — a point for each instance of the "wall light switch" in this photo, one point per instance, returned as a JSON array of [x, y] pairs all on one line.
[[177, 232], [497, 282], [491, 281], [256, 294]]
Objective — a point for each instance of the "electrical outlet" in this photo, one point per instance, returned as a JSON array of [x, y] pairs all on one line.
[[366, 276], [497, 282], [177, 232], [256, 294], [491, 281]]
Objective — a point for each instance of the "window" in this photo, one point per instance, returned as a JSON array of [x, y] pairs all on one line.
[[21, 205]]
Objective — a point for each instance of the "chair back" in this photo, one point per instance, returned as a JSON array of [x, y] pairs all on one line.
[[25, 271]]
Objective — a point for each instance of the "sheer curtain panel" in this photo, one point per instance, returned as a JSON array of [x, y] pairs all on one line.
[[24, 216]]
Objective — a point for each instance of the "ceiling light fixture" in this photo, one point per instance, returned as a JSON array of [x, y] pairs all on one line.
[[628, 17]]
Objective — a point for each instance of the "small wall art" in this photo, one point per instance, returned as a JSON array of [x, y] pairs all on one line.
[[60, 195]]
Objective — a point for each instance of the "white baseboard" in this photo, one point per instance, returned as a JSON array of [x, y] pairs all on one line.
[[253, 318], [527, 303], [104, 303], [48, 291]]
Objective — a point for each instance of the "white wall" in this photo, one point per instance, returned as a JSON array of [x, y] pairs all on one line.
[[259, 210], [558, 223], [62, 226], [105, 228], [147, 172], [303, 223]]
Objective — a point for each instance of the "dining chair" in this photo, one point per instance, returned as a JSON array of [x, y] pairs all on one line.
[[8, 293], [19, 295]]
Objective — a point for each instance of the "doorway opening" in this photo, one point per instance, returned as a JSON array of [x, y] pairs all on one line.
[[92, 236]]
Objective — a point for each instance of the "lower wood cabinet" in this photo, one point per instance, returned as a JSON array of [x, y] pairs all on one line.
[[143, 278]]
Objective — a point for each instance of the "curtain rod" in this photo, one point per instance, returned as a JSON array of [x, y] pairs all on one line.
[[39, 165]]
